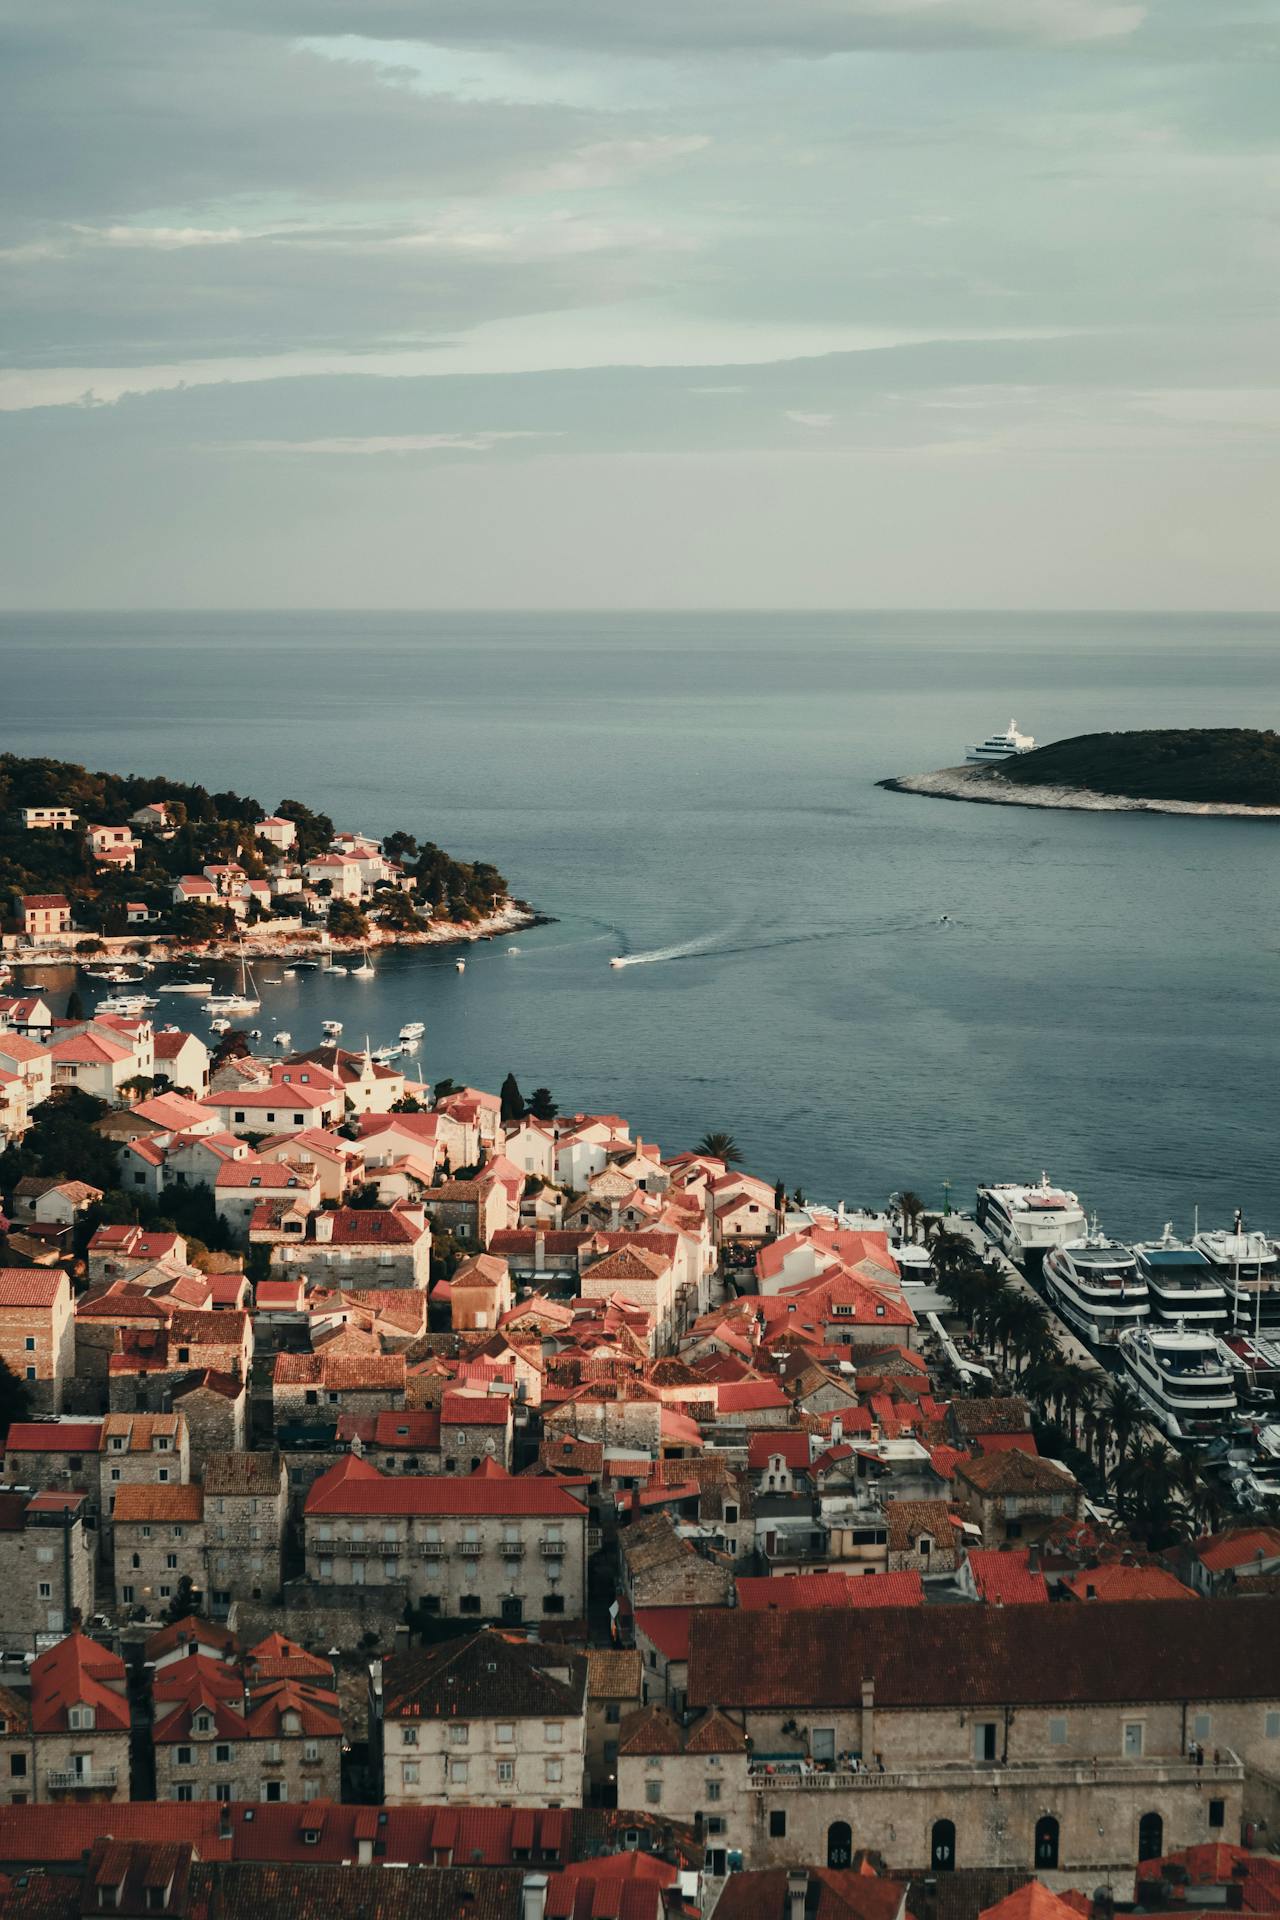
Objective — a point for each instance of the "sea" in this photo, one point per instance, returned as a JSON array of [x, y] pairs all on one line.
[[868, 990]]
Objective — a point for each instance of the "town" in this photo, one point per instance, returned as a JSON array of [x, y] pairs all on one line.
[[424, 1476]]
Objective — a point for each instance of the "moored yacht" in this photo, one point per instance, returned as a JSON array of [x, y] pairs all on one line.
[[1181, 1377], [1001, 746], [1095, 1284], [1025, 1222], [1248, 1265], [1182, 1286]]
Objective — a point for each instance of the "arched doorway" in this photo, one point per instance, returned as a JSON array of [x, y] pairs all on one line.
[[1046, 1842], [942, 1846], [839, 1844], [1150, 1837]]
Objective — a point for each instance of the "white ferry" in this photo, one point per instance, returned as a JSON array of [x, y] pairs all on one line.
[[1095, 1285], [1248, 1265], [1183, 1288], [1001, 746], [1182, 1377], [1025, 1222]]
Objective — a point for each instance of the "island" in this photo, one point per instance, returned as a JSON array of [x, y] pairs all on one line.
[[93, 861], [1228, 771]]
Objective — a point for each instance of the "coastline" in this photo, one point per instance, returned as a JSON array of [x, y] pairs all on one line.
[[259, 943], [986, 786]]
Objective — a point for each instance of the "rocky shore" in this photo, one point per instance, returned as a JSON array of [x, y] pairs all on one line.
[[988, 787]]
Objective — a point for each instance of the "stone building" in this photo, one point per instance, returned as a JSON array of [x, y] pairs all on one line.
[[47, 1557], [215, 1407], [615, 1681], [246, 1499], [493, 1720], [361, 1247], [1014, 1495], [37, 1332], [56, 1456], [474, 1427], [480, 1293], [1050, 1738], [924, 1536], [159, 1540], [140, 1450], [281, 1741], [69, 1741], [486, 1545], [665, 1763]]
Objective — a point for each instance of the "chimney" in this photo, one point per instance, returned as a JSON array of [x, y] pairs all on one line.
[[539, 1250], [797, 1888], [868, 1720], [533, 1896]]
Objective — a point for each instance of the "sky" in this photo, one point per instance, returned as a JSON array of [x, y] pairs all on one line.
[[640, 303]]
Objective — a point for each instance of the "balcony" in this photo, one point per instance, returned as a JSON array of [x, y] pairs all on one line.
[[65, 1779], [792, 1775], [553, 1549], [431, 1549], [470, 1549], [357, 1547], [513, 1549], [389, 1548]]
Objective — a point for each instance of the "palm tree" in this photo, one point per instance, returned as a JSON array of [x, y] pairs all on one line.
[[1121, 1416], [721, 1146], [950, 1251], [910, 1206], [1146, 1485]]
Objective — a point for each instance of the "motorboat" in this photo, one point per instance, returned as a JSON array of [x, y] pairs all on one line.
[[1184, 1289], [617, 961], [460, 965], [385, 1055], [1026, 1221], [1248, 1265], [127, 1003], [188, 986], [282, 1037], [1181, 1376], [331, 1029], [220, 1025], [513, 949], [1095, 1285], [413, 1030], [1000, 746]]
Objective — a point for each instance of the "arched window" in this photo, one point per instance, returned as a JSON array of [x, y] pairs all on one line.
[[1150, 1837], [942, 1850], [839, 1844], [1046, 1842]]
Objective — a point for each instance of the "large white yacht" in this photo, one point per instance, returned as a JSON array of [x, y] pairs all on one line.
[[1248, 1265], [1182, 1286], [1182, 1378], [1025, 1222], [1001, 746], [1095, 1285]]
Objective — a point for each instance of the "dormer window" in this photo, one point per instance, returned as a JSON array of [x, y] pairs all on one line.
[[80, 1719], [292, 1723], [203, 1723]]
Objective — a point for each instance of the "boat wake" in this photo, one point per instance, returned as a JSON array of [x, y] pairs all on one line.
[[732, 941], [684, 950]]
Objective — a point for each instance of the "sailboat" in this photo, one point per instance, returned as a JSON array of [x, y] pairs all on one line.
[[365, 970], [246, 1001]]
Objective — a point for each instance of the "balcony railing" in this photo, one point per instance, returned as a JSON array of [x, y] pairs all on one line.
[[389, 1548], [431, 1549], [61, 1779], [785, 1776], [358, 1546], [470, 1549], [553, 1549], [513, 1549]]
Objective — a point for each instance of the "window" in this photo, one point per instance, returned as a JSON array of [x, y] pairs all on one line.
[[31, 1373], [1133, 1736], [1273, 1725], [612, 1713], [80, 1719], [731, 1516], [45, 1590], [553, 1603], [410, 1773], [115, 1473], [506, 1772], [1202, 1726], [409, 1737], [273, 1790], [171, 1561], [713, 1789], [984, 1740], [183, 1791], [553, 1771], [311, 1750], [553, 1732], [469, 1603], [186, 1756], [326, 1569], [459, 1734], [126, 1595], [653, 1792], [222, 1754], [29, 1345], [1217, 1813], [17, 1766], [222, 1790], [1058, 1731], [505, 1733], [458, 1772], [777, 1824]]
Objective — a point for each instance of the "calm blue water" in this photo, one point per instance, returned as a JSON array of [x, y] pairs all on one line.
[[1103, 1002]]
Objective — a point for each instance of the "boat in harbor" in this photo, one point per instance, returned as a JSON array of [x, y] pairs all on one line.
[[131, 1004], [331, 1029], [220, 1025], [364, 971], [1248, 1265], [1181, 1376], [413, 1030], [282, 1037], [385, 1055], [1095, 1285], [460, 965], [1026, 1221], [246, 1001], [1184, 1289], [1000, 746], [203, 987]]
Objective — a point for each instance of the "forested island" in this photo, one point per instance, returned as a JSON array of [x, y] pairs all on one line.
[[127, 854], [1204, 770]]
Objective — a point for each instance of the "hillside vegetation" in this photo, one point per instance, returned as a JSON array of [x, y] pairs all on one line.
[[1236, 766]]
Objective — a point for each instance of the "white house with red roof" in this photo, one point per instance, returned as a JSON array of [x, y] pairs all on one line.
[[93, 1061], [341, 874], [362, 1247], [25, 1013], [26, 1060], [120, 1252], [337, 1163], [15, 1110], [183, 1059], [297, 1100], [112, 846], [46, 917], [241, 1184], [484, 1545], [195, 889], [277, 832]]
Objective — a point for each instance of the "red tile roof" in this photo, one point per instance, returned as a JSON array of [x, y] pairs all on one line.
[[668, 1628], [54, 1436], [749, 1396], [1007, 1579], [76, 1673], [475, 1409], [354, 1486], [31, 1286], [1032, 1902], [792, 1444], [794, 1592], [1117, 1581], [1239, 1548]]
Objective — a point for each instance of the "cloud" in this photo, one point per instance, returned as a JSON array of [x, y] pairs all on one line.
[[604, 163], [816, 421], [364, 445]]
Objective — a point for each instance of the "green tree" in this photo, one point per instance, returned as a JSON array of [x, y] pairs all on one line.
[[75, 1006], [15, 1397], [721, 1146], [541, 1106], [443, 1088], [346, 920], [513, 1107], [911, 1207]]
